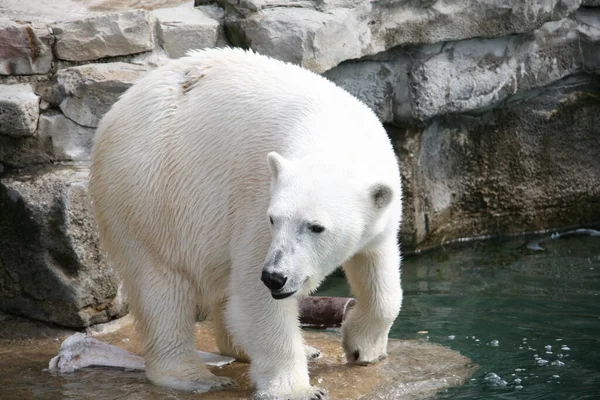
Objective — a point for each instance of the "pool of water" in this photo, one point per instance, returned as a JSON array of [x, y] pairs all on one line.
[[530, 318]]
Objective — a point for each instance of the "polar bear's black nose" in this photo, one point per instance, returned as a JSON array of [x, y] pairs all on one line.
[[273, 280]]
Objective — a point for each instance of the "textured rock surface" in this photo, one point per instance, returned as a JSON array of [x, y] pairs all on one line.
[[454, 77], [88, 91], [525, 166], [24, 48], [51, 267], [313, 39], [105, 35], [321, 34], [19, 152], [70, 141], [463, 76], [415, 369], [19, 110], [185, 27]]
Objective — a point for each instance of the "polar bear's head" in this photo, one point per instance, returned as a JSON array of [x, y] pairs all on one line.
[[320, 214]]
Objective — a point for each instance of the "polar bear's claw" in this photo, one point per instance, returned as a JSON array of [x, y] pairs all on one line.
[[223, 383], [314, 393], [312, 353], [320, 395], [201, 383], [214, 383]]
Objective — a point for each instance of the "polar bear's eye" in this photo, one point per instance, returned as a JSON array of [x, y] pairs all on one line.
[[316, 228], [271, 219]]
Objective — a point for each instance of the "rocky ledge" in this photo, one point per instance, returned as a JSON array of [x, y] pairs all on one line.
[[412, 370]]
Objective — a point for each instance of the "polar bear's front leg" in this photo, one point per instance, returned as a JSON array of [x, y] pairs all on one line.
[[268, 330], [374, 277], [164, 310], [225, 342]]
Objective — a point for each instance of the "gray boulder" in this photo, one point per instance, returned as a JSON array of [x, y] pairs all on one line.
[[462, 76], [88, 91], [19, 110], [24, 48], [105, 35], [70, 141], [51, 267], [22, 151], [454, 77], [529, 165], [319, 34], [184, 28]]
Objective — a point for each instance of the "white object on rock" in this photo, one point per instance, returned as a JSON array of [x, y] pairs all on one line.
[[80, 350]]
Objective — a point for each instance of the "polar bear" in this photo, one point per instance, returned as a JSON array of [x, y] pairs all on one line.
[[232, 183]]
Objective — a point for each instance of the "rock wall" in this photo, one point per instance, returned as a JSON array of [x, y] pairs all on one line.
[[493, 108]]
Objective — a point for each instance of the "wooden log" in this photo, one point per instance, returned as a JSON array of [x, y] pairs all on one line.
[[324, 312]]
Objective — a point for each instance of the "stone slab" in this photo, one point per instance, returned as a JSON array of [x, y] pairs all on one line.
[[321, 34], [88, 91], [104, 35], [24, 48], [185, 28], [70, 141], [19, 110], [422, 82]]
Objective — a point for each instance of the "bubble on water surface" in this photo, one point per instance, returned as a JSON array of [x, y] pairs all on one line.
[[557, 363], [565, 348], [541, 361], [451, 337], [548, 347], [494, 380], [495, 343]]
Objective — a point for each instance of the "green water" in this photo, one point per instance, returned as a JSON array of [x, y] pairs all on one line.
[[470, 295]]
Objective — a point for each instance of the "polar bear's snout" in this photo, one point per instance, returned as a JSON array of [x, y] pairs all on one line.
[[273, 280], [276, 281], [276, 276]]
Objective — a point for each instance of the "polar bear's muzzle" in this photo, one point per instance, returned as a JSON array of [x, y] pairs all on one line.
[[276, 281]]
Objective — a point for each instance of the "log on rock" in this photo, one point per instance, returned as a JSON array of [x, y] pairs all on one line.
[[324, 312]]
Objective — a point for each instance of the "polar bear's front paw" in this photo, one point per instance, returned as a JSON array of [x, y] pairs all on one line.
[[364, 346], [189, 374], [313, 393], [312, 353], [199, 384]]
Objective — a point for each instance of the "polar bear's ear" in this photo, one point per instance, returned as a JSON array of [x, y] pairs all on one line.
[[381, 195], [276, 163]]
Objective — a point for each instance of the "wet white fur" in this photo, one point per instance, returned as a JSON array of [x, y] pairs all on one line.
[[181, 191]]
